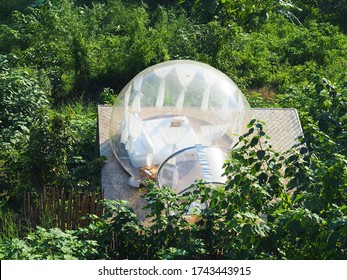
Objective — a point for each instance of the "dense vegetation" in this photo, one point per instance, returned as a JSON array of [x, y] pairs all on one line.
[[60, 58]]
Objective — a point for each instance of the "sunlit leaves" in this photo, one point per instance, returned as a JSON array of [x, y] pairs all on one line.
[[51, 244]]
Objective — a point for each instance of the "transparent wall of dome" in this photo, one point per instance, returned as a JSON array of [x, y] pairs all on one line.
[[172, 106]]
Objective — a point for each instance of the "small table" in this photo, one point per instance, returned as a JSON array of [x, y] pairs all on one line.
[[149, 172]]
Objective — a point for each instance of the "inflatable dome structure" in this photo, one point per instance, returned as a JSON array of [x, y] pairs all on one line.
[[175, 122]]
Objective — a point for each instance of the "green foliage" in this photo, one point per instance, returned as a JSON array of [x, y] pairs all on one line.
[[50, 244], [24, 99], [251, 12], [8, 6], [86, 48], [121, 224], [324, 10], [57, 150], [279, 57], [267, 210], [104, 43], [83, 161], [247, 13], [323, 109], [107, 96], [61, 151], [8, 228], [58, 59]]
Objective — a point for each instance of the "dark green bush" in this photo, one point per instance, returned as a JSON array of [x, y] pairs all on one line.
[[58, 59], [274, 206]]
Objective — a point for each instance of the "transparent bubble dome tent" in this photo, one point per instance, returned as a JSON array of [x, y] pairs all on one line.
[[176, 122]]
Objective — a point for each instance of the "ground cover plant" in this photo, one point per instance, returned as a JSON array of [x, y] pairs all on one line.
[[59, 59]]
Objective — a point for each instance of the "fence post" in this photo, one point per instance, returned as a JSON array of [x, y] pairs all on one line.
[[77, 210], [83, 208], [92, 203], [69, 220], [62, 197], [65, 209]]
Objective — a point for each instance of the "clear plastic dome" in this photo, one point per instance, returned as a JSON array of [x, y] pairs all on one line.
[[170, 107]]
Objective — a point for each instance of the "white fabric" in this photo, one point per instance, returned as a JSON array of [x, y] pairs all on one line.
[[213, 132], [138, 156], [229, 100], [161, 94], [225, 109], [137, 83], [125, 119], [180, 100], [135, 129], [136, 105], [124, 126], [161, 73], [210, 78], [142, 151], [151, 140], [147, 143], [127, 97], [205, 101], [185, 74], [234, 98], [124, 129], [172, 135]]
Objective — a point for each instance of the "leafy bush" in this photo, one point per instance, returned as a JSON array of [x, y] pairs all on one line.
[[280, 54], [25, 98], [8, 6], [8, 228], [52, 244], [246, 13], [324, 11], [59, 58], [272, 207]]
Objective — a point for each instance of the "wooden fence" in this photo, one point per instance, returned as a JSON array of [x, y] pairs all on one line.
[[62, 209]]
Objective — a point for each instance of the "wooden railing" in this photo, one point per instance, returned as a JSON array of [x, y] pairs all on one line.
[[62, 209]]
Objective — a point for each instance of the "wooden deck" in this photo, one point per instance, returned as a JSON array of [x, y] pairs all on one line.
[[282, 126]]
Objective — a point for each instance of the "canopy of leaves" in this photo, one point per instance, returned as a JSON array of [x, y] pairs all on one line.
[[274, 206], [58, 59]]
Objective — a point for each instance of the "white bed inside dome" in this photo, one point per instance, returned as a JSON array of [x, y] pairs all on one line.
[[170, 107], [158, 139]]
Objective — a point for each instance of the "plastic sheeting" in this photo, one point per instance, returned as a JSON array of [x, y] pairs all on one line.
[[170, 107]]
